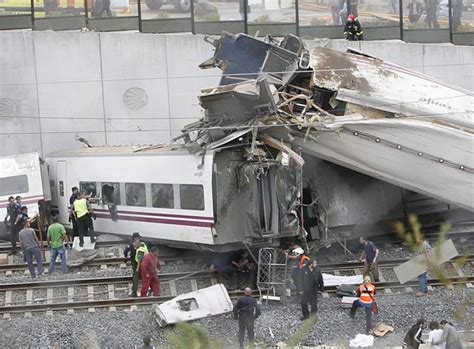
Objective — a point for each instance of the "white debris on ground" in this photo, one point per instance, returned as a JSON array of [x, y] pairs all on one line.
[[361, 341]]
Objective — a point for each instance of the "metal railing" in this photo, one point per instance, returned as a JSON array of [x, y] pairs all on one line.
[[409, 20]]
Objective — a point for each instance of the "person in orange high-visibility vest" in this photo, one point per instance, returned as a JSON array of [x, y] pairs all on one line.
[[366, 296]]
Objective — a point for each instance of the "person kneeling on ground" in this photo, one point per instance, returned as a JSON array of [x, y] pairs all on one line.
[[149, 274], [366, 293]]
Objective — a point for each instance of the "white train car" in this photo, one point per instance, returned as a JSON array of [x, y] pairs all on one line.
[[169, 195], [22, 175]]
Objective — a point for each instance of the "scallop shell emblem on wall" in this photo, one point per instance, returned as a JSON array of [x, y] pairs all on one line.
[[135, 98], [8, 107]]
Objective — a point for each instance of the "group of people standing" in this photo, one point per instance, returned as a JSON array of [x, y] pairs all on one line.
[[441, 336], [144, 265]]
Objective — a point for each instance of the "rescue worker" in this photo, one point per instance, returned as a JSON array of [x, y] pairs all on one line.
[[72, 218], [31, 248], [365, 294], [423, 248], [56, 237], [412, 339], [245, 269], [246, 310], [12, 213], [83, 212], [369, 257], [131, 250], [148, 271], [352, 29], [311, 283], [298, 260]]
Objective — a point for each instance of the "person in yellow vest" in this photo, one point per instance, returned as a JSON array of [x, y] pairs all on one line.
[[141, 250], [366, 294], [83, 212]]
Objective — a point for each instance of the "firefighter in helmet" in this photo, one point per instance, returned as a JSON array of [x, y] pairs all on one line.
[[353, 30]]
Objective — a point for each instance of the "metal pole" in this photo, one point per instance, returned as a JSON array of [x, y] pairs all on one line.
[[139, 11], [450, 17], [32, 5], [348, 4], [297, 17], [246, 25], [86, 11], [400, 9], [192, 17]]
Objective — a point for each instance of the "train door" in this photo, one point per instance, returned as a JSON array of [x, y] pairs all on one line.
[[63, 202]]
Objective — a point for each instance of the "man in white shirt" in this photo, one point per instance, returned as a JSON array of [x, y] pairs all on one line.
[[435, 336]]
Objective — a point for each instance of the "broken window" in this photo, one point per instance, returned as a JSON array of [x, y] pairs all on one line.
[[111, 193], [162, 195], [135, 194], [88, 188], [13, 185], [189, 304], [192, 196]]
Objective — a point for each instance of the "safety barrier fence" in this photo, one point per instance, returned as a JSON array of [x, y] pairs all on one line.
[[408, 20]]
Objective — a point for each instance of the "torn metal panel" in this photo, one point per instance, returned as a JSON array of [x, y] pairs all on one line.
[[420, 156], [388, 87], [229, 138], [239, 102], [206, 302], [272, 142], [417, 265], [243, 57]]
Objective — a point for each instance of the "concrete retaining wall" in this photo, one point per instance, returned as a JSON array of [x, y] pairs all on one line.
[[124, 88]]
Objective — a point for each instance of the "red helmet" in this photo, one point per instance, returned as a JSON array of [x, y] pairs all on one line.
[[350, 17]]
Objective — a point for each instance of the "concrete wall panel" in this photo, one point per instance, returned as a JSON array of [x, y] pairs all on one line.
[[144, 57], [137, 125], [178, 124], [14, 125], [62, 56], [136, 98], [183, 96], [17, 59], [53, 142], [74, 100], [19, 100], [19, 143], [74, 125], [185, 52], [138, 137]]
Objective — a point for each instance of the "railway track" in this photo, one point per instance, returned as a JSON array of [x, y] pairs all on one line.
[[107, 288]]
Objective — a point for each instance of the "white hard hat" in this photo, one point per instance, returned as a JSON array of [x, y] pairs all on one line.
[[297, 251]]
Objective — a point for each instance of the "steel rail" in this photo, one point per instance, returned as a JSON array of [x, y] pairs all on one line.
[[6, 247], [116, 302], [164, 277], [98, 262]]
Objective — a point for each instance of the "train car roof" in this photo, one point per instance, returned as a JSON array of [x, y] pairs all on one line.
[[148, 149]]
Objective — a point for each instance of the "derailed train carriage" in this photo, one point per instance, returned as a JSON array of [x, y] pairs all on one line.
[[230, 195]]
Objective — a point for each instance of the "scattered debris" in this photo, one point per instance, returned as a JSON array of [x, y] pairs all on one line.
[[381, 329], [361, 341], [209, 301]]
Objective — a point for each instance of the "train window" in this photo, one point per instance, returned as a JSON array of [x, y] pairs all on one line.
[[88, 188], [135, 194], [111, 193], [13, 185], [192, 196], [162, 195], [61, 188]]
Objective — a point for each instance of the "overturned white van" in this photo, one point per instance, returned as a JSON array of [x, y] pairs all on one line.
[[210, 301]]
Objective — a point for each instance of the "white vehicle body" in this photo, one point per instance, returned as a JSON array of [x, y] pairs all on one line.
[[78, 167], [169, 195], [21, 175], [209, 301]]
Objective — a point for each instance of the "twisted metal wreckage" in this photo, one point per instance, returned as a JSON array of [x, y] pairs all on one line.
[[349, 108]]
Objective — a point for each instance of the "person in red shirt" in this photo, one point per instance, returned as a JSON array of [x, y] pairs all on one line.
[[149, 275]]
